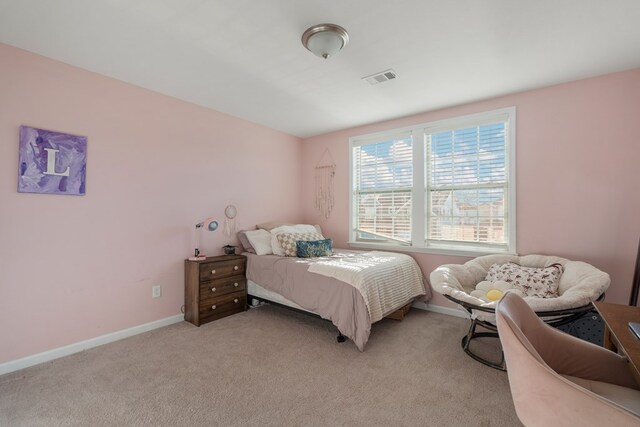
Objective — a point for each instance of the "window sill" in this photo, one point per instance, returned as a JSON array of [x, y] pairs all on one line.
[[428, 250]]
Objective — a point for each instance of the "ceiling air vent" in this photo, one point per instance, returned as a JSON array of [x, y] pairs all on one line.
[[381, 77]]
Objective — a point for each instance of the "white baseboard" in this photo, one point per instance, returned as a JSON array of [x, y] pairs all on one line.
[[25, 362], [442, 310]]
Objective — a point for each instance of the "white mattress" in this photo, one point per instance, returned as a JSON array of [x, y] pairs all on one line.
[[258, 291]]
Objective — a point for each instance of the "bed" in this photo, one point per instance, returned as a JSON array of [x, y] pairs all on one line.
[[352, 289]]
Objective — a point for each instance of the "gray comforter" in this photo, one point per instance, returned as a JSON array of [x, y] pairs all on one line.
[[330, 298]]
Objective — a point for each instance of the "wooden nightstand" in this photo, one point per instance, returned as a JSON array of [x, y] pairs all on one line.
[[214, 288]]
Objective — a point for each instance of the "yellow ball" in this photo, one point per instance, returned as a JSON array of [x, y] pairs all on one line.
[[494, 295]]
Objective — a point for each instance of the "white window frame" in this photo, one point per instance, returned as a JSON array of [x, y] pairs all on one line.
[[419, 192]]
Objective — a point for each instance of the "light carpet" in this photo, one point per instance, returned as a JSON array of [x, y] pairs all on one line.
[[266, 367]]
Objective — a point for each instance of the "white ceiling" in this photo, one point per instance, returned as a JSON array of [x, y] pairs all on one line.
[[244, 57]]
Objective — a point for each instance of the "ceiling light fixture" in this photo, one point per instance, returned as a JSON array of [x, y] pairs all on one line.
[[325, 40]]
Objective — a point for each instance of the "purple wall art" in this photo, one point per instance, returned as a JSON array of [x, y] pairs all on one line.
[[51, 162]]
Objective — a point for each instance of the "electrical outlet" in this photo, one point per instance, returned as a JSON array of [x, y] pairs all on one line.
[[156, 291]]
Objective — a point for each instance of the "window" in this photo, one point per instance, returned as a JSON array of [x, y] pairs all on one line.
[[447, 186], [383, 178]]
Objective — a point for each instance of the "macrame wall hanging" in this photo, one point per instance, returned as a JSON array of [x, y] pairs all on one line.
[[325, 171]]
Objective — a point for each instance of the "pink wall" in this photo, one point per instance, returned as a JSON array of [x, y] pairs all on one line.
[[578, 172], [73, 268]]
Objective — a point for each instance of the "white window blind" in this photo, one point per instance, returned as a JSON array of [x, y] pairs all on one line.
[[441, 187], [467, 184], [383, 181]]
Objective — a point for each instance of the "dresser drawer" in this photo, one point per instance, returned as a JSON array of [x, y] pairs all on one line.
[[210, 316], [216, 288], [223, 305], [215, 270]]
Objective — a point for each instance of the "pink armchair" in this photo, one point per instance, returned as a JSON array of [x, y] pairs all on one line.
[[560, 380]]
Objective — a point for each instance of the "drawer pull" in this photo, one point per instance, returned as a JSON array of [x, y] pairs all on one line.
[[213, 307], [235, 284], [235, 267], [235, 300], [213, 272], [213, 289]]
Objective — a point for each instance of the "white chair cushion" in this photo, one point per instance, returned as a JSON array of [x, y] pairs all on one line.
[[580, 283]]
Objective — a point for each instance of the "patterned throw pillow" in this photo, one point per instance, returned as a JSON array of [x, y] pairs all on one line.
[[533, 282], [288, 241], [314, 248]]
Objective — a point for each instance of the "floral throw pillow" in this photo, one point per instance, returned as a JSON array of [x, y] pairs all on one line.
[[288, 241], [531, 281], [314, 248]]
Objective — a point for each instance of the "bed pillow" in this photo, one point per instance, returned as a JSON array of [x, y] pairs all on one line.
[[314, 248], [531, 281], [288, 241], [260, 241], [269, 226], [244, 241], [276, 247]]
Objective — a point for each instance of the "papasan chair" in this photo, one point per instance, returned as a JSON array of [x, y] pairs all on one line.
[[578, 285]]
